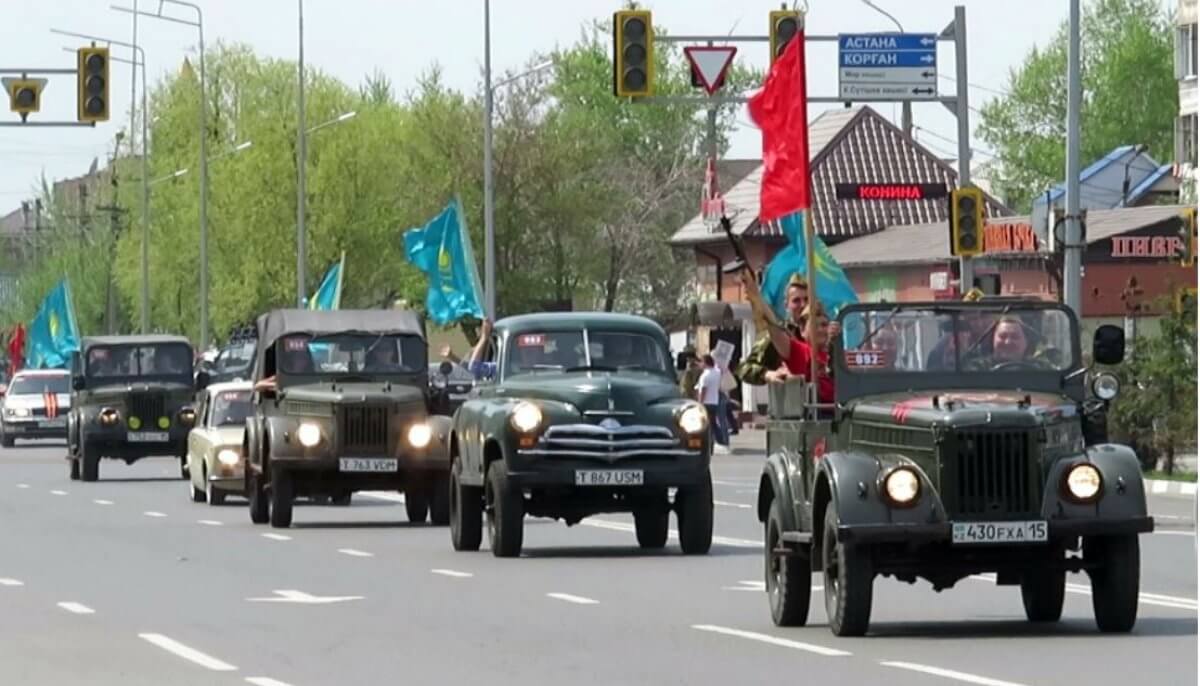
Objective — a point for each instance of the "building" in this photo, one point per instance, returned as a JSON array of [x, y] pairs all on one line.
[[1185, 123]]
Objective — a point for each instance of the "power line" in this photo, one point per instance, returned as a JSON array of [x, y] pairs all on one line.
[[951, 141], [975, 86]]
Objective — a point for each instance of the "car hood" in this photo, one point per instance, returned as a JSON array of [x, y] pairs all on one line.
[[229, 435], [357, 393], [32, 400], [1002, 408], [598, 391]]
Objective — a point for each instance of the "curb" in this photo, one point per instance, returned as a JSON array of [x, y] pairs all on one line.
[[1162, 487]]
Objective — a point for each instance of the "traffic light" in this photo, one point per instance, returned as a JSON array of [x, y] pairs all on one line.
[[966, 222], [633, 53], [785, 24], [92, 80], [1187, 236], [24, 95]]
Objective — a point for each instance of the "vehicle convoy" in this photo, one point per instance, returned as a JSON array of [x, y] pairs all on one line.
[[580, 415], [35, 405], [341, 403], [214, 447], [131, 399], [958, 445]]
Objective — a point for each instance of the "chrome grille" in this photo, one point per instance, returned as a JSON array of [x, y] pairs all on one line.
[[592, 440], [994, 474], [147, 407], [363, 430]]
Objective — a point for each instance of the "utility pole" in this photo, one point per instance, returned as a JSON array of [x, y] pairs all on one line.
[[301, 161], [489, 210], [966, 271], [1072, 250]]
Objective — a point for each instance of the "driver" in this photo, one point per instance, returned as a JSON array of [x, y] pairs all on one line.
[[296, 358], [382, 357], [1013, 341], [170, 361]]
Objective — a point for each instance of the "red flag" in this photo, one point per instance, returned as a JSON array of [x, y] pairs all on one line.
[[16, 349], [780, 109]]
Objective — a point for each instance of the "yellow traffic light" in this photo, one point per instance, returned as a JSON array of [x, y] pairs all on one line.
[[785, 24], [24, 95], [966, 222], [92, 84], [1187, 237], [633, 53]]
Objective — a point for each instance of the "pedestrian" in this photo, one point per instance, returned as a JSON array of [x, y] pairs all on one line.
[[708, 392]]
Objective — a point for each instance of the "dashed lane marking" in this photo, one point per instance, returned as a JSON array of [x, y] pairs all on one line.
[[152, 513], [355, 553], [58, 492], [22, 485], [383, 495], [77, 608], [741, 506], [950, 674], [210, 522], [772, 640], [277, 537], [190, 654], [101, 501], [673, 533], [578, 600], [758, 586], [11, 582], [1157, 599], [453, 573], [1174, 533], [265, 681]]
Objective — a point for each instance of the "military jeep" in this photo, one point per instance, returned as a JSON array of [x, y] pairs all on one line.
[[956, 446], [132, 397], [341, 403]]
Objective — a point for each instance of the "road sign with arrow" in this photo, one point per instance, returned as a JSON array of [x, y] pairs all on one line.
[[709, 64], [887, 66]]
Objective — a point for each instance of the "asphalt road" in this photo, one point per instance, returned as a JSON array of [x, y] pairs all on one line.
[[125, 581]]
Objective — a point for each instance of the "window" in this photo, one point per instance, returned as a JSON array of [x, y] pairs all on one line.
[[39, 384], [163, 359], [1185, 146], [1185, 51]]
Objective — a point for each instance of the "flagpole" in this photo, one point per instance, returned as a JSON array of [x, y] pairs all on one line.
[[337, 300]]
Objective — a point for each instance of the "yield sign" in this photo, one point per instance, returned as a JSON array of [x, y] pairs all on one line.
[[710, 62]]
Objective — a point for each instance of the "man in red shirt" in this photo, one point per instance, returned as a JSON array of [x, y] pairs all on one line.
[[797, 353]]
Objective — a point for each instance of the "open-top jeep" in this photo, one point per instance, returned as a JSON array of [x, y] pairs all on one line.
[[342, 404], [582, 415], [958, 445], [131, 398]]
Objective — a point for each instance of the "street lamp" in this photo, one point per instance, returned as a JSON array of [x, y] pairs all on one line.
[[180, 172], [199, 24], [301, 162], [139, 59], [345, 116]]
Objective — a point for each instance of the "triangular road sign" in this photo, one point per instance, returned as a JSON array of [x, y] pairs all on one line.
[[710, 62]]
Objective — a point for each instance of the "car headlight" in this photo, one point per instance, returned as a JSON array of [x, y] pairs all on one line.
[[187, 416], [901, 486], [693, 419], [308, 434], [228, 457], [1083, 483], [109, 416], [438, 381], [419, 435], [17, 412], [1105, 386], [526, 417]]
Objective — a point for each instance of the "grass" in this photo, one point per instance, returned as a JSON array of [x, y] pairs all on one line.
[[1179, 475]]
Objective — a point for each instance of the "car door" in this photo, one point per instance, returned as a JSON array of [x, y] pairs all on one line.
[[197, 440]]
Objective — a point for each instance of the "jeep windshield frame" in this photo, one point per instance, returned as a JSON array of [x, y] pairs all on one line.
[[137, 362], [865, 371]]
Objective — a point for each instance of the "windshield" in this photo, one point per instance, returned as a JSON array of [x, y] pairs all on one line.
[[164, 359], [564, 350], [351, 354], [231, 408], [37, 385], [235, 357], [1000, 338]]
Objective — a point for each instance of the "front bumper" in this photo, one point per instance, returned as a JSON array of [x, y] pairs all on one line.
[[114, 442], [673, 471], [34, 428], [1057, 529]]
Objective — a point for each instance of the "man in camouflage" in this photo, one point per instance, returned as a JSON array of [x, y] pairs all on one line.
[[687, 380], [763, 358]]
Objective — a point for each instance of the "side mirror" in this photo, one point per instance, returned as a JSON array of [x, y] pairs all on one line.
[[203, 379], [445, 368], [1108, 345], [77, 383]]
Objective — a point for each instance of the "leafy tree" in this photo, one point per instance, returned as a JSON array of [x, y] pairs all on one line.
[[1129, 96]]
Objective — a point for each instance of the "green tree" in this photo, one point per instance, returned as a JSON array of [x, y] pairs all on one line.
[[1129, 96]]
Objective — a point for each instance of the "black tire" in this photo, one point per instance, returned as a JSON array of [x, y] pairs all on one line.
[[342, 499], [416, 504], [7, 441], [439, 500], [212, 494], [788, 578], [849, 581], [651, 526], [260, 507], [90, 470], [1042, 592], [1116, 581], [505, 513], [466, 512], [74, 467], [694, 510], [282, 495], [199, 495]]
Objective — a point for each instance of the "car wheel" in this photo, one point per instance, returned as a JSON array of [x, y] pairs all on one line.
[[466, 512], [74, 467], [694, 510], [7, 441], [505, 513], [788, 577], [199, 495], [439, 500], [651, 526], [416, 503], [342, 499], [260, 509], [1042, 592], [281, 499], [848, 581], [211, 493], [1115, 580], [91, 463]]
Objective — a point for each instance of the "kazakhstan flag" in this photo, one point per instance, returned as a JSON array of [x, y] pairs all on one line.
[[53, 336], [442, 249], [329, 295]]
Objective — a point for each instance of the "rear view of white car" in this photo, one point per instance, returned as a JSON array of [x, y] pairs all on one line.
[[36, 405]]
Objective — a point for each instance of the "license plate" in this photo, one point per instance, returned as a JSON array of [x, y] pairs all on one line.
[[368, 464], [608, 477], [147, 437], [999, 532], [53, 423], [458, 396]]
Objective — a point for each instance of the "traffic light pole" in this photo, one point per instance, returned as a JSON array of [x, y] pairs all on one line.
[[1072, 250], [966, 270]]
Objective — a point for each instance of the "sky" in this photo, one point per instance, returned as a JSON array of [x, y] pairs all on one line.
[[351, 38]]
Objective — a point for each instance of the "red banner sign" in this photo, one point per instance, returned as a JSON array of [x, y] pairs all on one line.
[[1009, 238], [1146, 246]]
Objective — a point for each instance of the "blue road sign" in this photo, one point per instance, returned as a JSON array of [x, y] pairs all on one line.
[[887, 41], [863, 58], [887, 66]]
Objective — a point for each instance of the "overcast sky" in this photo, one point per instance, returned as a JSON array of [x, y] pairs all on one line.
[[350, 38]]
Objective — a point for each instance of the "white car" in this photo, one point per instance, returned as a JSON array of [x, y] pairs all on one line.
[[214, 447], [36, 404]]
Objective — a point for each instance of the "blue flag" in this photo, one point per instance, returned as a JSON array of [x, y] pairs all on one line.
[[53, 335], [329, 295], [442, 249]]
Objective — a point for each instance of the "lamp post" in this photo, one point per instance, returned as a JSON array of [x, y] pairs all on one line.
[[301, 162], [182, 172], [139, 59], [199, 25]]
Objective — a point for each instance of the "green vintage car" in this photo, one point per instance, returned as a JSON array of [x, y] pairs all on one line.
[[341, 403], [579, 414], [132, 397], [958, 446]]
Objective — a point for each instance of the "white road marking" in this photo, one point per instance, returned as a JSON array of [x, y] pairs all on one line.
[[759, 586], [277, 537], [454, 573], [628, 528], [77, 608], [742, 506], [773, 640], [11, 582], [210, 522], [101, 501], [355, 553], [294, 596], [152, 513], [950, 674], [578, 600], [189, 654], [264, 681], [22, 485], [383, 495], [1174, 533], [1158, 487], [741, 484], [1144, 598], [1162, 516], [57, 492]]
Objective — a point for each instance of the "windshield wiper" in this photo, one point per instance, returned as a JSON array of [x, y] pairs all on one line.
[[640, 368], [891, 315], [591, 368]]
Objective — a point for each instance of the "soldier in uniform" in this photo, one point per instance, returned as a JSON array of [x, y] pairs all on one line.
[[687, 381]]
